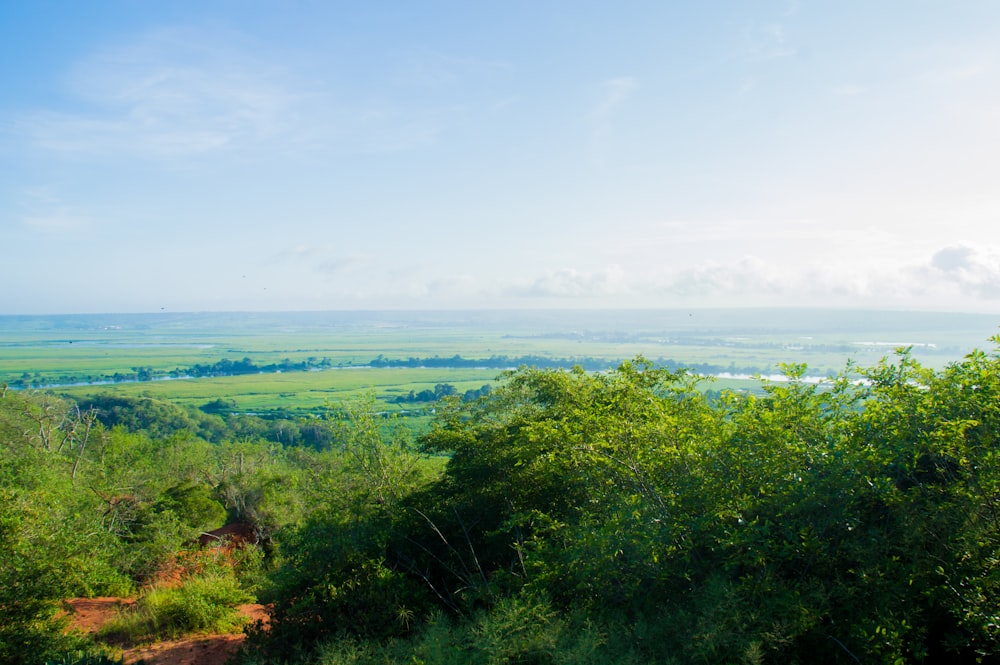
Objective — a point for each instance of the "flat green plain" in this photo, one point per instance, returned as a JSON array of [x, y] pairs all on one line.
[[298, 391], [57, 350]]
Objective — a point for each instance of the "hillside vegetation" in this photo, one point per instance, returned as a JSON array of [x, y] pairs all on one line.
[[563, 517]]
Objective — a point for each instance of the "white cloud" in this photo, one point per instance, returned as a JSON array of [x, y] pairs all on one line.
[[749, 276], [572, 283], [961, 276], [973, 270]]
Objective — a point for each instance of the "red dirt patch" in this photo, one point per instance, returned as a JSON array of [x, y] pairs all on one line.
[[210, 650], [89, 614]]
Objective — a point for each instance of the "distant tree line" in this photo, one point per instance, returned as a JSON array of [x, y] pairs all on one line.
[[224, 367], [497, 362], [587, 363], [441, 391]]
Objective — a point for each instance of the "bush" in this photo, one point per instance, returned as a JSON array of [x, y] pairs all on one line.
[[516, 630], [202, 604]]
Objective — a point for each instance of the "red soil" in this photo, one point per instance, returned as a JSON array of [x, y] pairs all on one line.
[[89, 614]]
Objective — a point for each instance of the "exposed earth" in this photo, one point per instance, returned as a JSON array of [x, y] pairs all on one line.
[[89, 614]]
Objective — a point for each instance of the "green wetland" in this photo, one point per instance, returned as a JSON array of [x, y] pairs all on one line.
[[331, 353]]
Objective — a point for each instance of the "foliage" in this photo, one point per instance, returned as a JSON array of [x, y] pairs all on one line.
[[378, 453], [157, 418], [194, 505], [333, 576], [621, 516], [30, 587], [204, 603], [518, 630], [843, 522]]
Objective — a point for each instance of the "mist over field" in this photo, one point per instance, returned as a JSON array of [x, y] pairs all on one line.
[[857, 334]]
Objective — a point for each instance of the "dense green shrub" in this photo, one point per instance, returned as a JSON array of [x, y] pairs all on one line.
[[848, 522]]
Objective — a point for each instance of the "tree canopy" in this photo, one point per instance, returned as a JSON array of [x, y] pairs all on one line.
[[566, 516], [853, 521]]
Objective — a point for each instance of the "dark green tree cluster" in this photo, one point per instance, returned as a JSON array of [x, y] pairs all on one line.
[[623, 517], [216, 421], [226, 367], [442, 390]]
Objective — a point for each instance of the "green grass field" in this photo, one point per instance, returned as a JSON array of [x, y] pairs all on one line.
[[57, 350], [298, 391]]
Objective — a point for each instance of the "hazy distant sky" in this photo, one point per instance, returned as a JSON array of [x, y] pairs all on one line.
[[287, 155]]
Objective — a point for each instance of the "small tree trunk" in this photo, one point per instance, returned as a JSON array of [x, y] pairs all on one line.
[[89, 421]]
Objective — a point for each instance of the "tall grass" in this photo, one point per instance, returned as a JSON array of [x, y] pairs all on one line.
[[207, 603], [87, 658]]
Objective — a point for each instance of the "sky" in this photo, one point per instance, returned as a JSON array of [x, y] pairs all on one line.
[[259, 155]]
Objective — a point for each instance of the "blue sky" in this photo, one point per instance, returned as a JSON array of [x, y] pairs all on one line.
[[258, 155]]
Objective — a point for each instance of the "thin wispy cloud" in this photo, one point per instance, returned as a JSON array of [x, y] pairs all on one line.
[[173, 92], [44, 211], [614, 93], [337, 266], [325, 259], [848, 90], [791, 9], [182, 92], [443, 70], [768, 41], [298, 253], [960, 66], [55, 222]]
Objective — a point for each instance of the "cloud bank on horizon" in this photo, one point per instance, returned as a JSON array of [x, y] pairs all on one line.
[[311, 156]]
